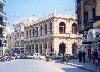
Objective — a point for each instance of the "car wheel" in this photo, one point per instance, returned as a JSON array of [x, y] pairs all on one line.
[[39, 58]]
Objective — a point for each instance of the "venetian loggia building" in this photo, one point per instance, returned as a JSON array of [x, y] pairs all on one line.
[[54, 33]]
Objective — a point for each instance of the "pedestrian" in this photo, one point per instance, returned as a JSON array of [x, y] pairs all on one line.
[[65, 60], [95, 58], [98, 58], [83, 54], [89, 56], [80, 56]]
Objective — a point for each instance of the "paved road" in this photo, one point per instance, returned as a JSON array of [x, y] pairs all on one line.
[[31, 65]]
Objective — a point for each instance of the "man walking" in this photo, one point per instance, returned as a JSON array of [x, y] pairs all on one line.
[[98, 58], [95, 58], [84, 56]]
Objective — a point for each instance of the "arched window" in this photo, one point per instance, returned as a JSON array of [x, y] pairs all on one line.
[[27, 33], [50, 27], [41, 30], [62, 27], [30, 33], [74, 28], [33, 32], [45, 28], [36, 31]]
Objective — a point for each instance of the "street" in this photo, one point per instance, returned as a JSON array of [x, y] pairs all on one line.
[[31, 65]]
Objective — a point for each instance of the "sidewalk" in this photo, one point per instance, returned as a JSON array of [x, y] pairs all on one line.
[[86, 66]]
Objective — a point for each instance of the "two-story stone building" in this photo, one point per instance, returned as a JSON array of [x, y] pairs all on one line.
[[54, 33]]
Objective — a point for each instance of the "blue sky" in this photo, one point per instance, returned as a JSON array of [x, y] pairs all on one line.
[[17, 9]]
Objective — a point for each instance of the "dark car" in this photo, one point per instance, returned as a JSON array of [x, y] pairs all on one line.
[[23, 56], [71, 56]]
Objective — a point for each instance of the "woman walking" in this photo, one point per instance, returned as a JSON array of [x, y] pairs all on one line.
[[95, 58]]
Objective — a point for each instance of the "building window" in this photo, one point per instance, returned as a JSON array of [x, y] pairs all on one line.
[[36, 31], [93, 14], [30, 33], [27, 33], [50, 27], [85, 17], [45, 28], [33, 32], [0, 43], [41, 30], [0, 31], [1, 19], [74, 28], [62, 27]]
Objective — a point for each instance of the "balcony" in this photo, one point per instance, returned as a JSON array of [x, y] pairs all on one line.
[[88, 25], [3, 2], [2, 26], [2, 37], [2, 14]]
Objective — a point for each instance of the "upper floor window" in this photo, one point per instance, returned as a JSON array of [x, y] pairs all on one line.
[[1, 31], [41, 30], [50, 27], [1, 20], [36, 31], [74, 28], [33, 32], [30, 32], [27, 33], [62, 27], [45, 28], [85, 17]]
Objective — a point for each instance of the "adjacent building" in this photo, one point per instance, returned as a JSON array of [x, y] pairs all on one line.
[[88, 14], [2, 25], [19, 33], [53, 33]]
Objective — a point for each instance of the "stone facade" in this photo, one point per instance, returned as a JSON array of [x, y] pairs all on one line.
[[54, 33], [19, 33]]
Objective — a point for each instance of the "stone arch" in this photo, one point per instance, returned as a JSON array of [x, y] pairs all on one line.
[[62, 48], [74, 48]]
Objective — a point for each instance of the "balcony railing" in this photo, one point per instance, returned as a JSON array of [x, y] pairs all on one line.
[[4, 1], [2, 13], [88, 25]]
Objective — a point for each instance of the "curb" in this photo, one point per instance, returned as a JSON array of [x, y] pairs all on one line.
[[82, 68]]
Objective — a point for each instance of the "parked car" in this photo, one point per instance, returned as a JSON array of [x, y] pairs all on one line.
[[30, 56], [59, 56], [23, 56], [17, 56], [38, 56], [51, 54], [71, 56]]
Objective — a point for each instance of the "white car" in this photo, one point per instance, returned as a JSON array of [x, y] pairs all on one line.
[[38, 56], [17, 55], [30, 56]]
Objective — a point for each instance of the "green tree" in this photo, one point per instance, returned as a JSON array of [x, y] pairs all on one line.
[[7, 50]]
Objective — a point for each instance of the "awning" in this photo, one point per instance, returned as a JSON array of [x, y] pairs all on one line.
[[89, 42]]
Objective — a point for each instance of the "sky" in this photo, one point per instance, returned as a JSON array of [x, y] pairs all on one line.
[[17, 9]]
